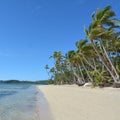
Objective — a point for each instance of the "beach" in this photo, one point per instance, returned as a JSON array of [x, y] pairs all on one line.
[[70, 102]]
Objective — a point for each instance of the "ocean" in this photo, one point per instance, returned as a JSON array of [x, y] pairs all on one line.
[[22, 102]]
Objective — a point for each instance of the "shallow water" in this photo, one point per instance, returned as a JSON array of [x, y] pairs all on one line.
[[22, 102]]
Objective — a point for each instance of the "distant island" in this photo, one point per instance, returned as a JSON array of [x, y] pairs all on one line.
[[43, 82]]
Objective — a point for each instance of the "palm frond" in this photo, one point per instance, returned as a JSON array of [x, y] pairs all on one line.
[[81, 43]]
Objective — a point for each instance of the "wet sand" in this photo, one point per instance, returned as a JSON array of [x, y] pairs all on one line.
[[42, 107], [80, 103]]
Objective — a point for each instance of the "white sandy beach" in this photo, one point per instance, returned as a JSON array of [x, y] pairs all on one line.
[[80, 103]]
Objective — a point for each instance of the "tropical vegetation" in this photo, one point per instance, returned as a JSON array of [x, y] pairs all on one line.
[[97, 56], [42, 82]]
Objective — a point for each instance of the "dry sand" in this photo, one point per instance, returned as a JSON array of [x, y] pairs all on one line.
[[80, 103]]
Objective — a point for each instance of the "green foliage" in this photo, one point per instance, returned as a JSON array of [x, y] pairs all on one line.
[[118, 68], [23, 82], [50, 81], [96, 59]]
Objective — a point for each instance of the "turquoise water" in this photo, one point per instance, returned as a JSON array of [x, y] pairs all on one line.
[[22, 102]]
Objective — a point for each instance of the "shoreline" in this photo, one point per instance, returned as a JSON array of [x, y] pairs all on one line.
[[70, 102], [43, 110]]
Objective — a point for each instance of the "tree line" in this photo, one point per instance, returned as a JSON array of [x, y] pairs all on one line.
[[97, 56], [42, 82]]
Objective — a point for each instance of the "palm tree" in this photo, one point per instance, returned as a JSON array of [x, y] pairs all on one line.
[[47, 68], [86, 52], [73, 61], [97, 58], [100, 31]]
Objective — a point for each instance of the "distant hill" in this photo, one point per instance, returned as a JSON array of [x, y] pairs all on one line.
[[44, 82]]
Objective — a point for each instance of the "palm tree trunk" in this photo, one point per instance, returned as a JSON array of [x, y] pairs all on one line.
[[93, 44], [86, 71], [92, 67], [113, 68], [94, 63], [81, 74], [75, 74]]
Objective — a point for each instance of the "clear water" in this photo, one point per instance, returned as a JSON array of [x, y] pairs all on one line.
[[22, 102]]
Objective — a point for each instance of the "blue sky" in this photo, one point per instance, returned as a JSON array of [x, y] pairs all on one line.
[[31, 30]]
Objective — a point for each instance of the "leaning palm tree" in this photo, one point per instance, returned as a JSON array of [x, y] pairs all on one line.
[[87, 53], [85, 50], [100, 31], [74, 65]]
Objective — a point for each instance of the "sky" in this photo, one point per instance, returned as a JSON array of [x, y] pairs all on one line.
[[31, 30]]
